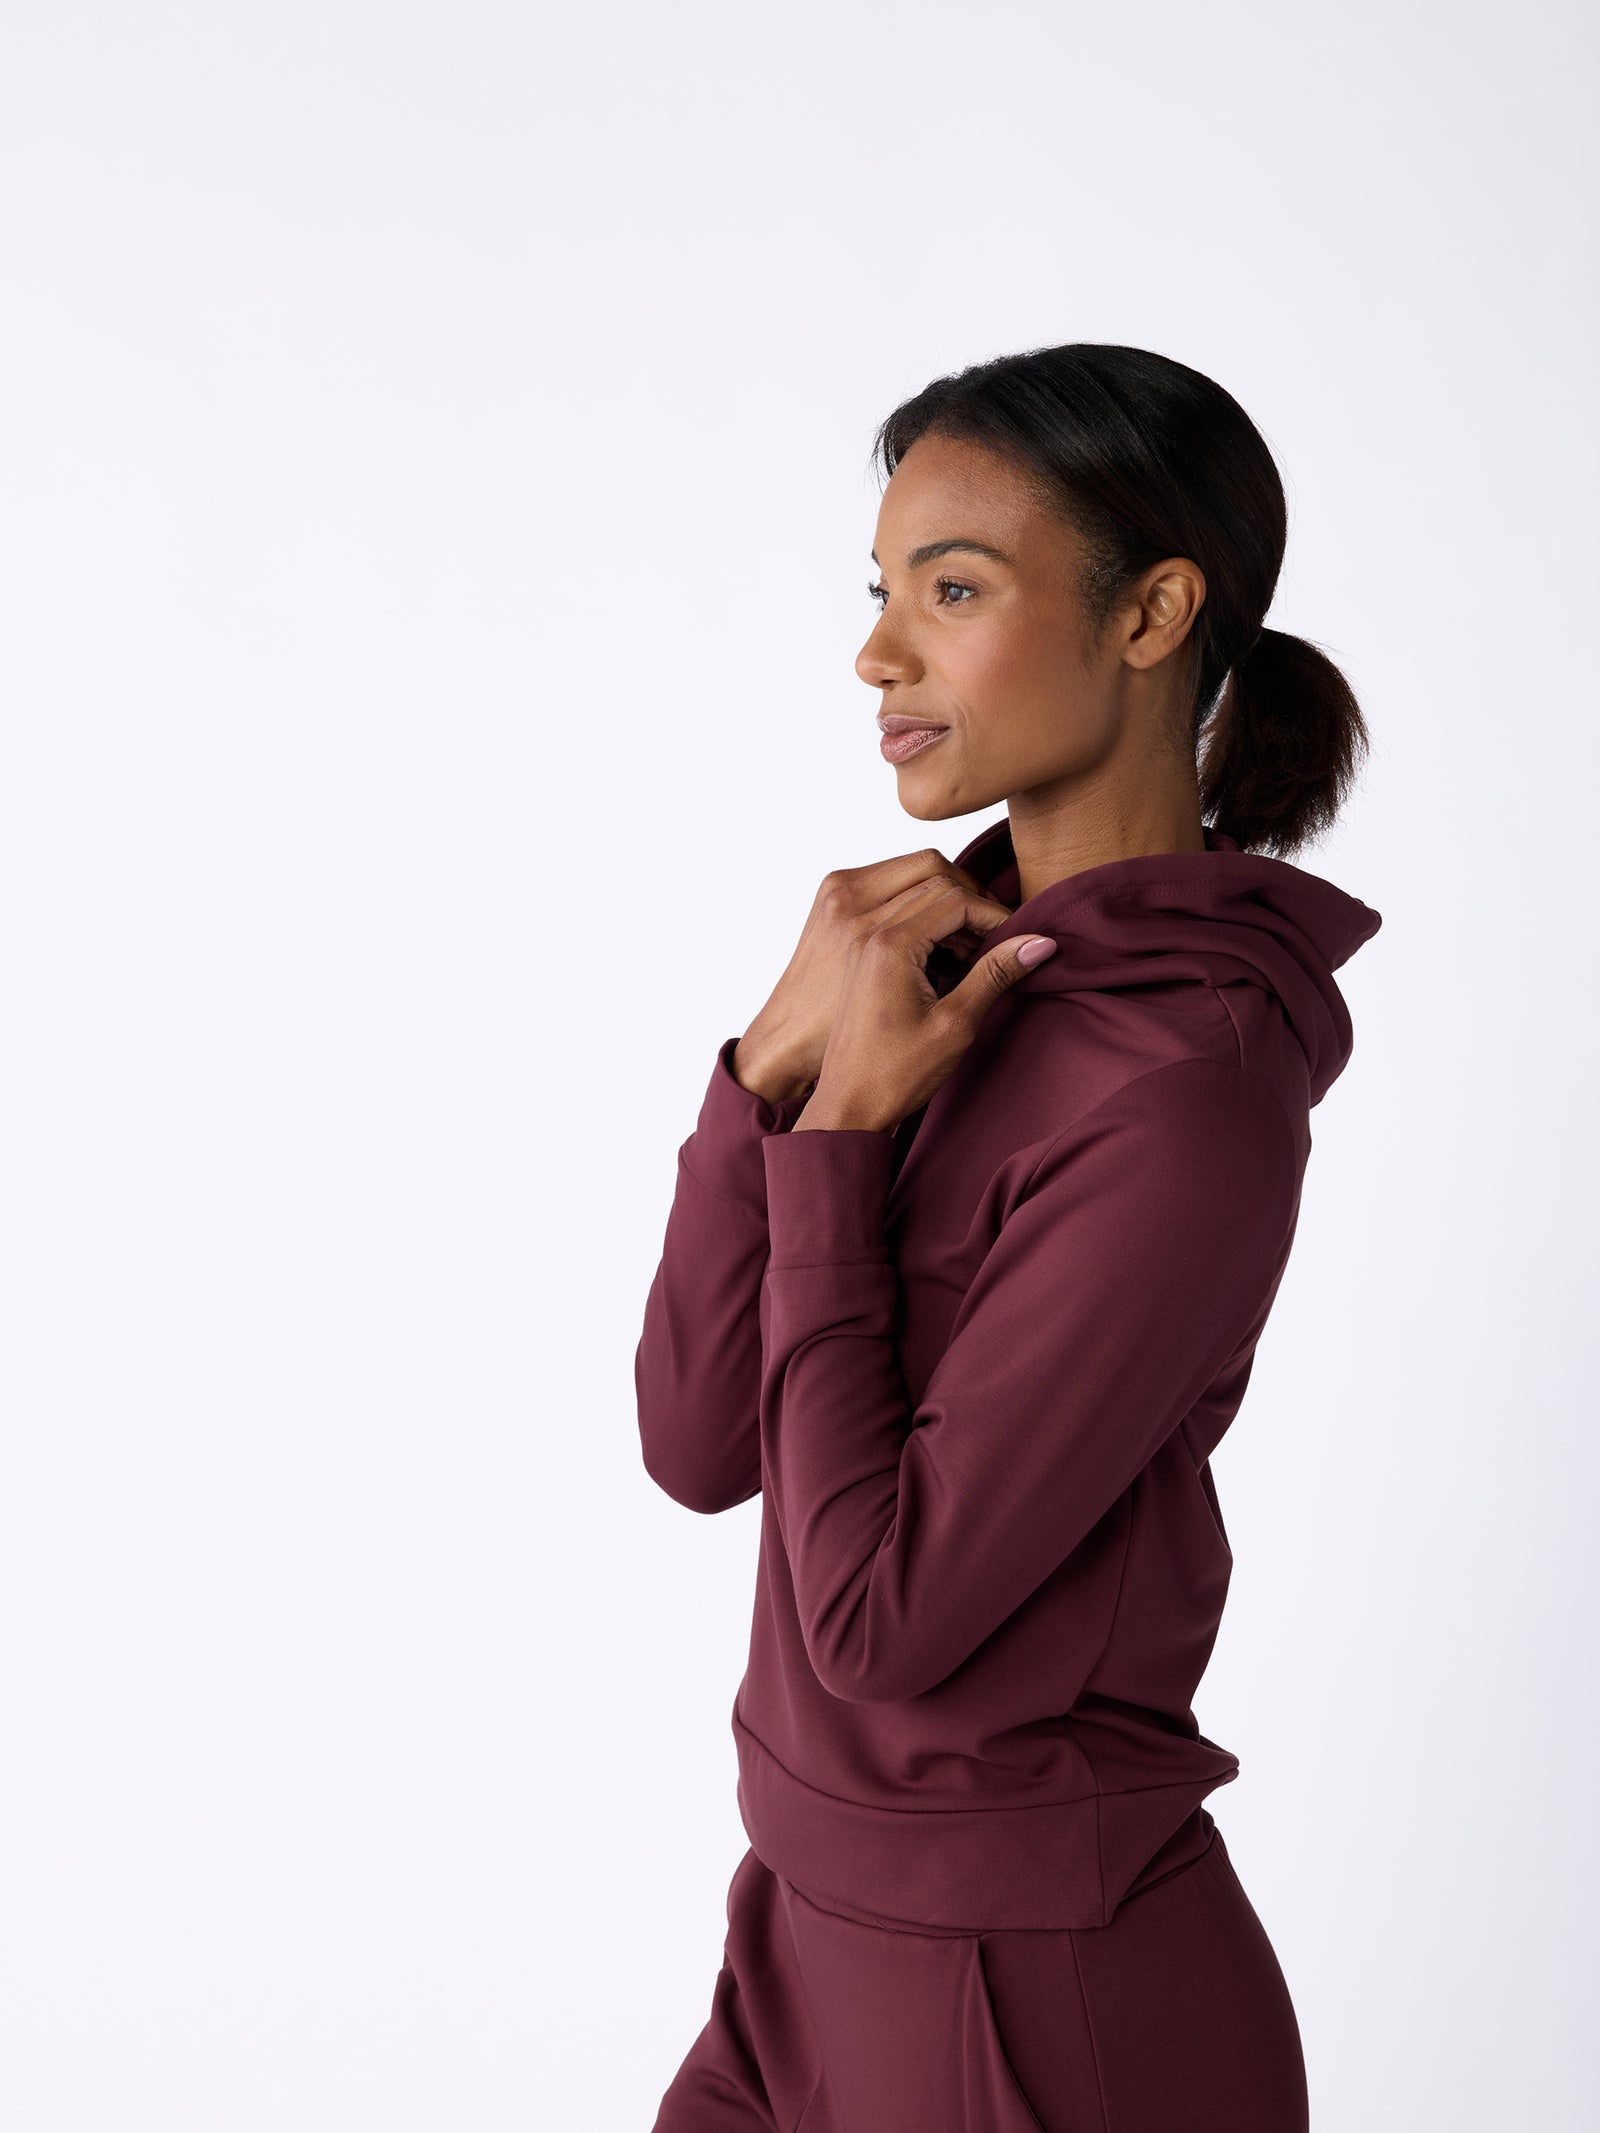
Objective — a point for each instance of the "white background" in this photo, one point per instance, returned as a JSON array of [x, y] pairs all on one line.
[[434, 522]]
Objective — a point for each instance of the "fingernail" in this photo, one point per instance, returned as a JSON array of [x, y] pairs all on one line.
[[1035, 951]]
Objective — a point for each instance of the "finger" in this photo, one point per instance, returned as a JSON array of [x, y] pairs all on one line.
[[971, 881], [996, 972], [983, 912], [927, 914], [885, 879]]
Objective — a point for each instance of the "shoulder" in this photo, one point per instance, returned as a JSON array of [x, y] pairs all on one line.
[[1197, 1130]]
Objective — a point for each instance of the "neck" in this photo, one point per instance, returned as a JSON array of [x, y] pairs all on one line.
[[1058, 836]]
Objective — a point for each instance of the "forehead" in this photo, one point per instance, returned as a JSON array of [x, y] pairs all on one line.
[[945, 479]]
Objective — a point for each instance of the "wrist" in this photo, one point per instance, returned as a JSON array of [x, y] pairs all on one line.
[[768, 1071], [840, 1114]]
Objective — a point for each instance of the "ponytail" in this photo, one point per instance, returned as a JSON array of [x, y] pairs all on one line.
[[1281, 747]]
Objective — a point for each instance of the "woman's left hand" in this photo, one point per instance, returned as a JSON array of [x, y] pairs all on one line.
[[894, 1041]]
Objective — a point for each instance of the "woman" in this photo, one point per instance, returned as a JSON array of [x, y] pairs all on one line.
[[966, 1265]]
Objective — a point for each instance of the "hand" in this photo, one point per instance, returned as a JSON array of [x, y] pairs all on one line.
[[894, 1040], [780, 1054]]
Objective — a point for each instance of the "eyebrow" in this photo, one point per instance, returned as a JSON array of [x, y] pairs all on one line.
[[934, 549]]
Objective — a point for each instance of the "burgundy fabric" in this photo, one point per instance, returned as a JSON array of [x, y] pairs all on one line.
[[825, 2019], [976, 1370]]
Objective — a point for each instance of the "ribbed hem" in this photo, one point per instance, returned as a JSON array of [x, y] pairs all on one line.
[[1063, 1864], [724, 1153], [826, 1195]]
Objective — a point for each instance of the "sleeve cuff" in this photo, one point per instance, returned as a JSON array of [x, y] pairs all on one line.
[[724, 1151], [826, 1196]]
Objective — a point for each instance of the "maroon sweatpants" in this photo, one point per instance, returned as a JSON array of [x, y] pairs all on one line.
[[1174, 2018]]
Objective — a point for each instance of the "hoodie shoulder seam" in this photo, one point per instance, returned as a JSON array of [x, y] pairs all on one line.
[[1221, 999]]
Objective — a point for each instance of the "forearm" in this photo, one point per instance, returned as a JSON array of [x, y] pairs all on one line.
[[697, 1368]]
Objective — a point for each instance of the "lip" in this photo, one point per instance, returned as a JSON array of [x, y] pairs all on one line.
[[906, 737]]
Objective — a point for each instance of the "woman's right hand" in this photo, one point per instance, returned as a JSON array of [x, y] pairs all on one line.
[[780, 1054]]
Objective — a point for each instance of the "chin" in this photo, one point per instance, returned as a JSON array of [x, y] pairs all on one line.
[[936, 799], [930, 798], [933, 807]]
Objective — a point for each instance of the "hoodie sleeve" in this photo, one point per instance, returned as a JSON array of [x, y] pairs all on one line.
[[697, 1368], [1142, 1252]]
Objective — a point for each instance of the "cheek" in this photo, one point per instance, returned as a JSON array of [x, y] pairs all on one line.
[[1007, 667]]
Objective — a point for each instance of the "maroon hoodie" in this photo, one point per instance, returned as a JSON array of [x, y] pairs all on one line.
[[976, 1369]]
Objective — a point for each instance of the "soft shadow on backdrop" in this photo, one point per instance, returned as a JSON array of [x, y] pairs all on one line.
[[434, 534]]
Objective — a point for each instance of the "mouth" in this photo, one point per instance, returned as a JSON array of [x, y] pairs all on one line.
[[905, 737]]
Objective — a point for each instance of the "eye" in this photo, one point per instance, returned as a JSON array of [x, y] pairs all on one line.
[[943, 586]]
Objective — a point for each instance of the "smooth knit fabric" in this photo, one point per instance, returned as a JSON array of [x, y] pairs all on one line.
[[976, 1369], [1175, 2018]]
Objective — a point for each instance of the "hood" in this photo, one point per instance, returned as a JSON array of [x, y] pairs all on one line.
[[1216, 916]]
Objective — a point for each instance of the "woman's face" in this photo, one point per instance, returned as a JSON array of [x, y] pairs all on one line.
[[981, 634]]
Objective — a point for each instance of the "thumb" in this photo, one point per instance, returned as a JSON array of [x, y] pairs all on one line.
[[998, 970]]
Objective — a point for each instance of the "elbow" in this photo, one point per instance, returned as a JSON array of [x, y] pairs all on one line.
[[692, 1485], [695, 1447], [684, 1464]]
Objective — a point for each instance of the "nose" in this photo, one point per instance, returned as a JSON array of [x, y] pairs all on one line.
[[882, 660]]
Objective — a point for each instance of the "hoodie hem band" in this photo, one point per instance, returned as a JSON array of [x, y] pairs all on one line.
[[971, 1870]]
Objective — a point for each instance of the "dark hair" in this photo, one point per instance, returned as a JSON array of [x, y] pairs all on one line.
[[1146, 458]]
